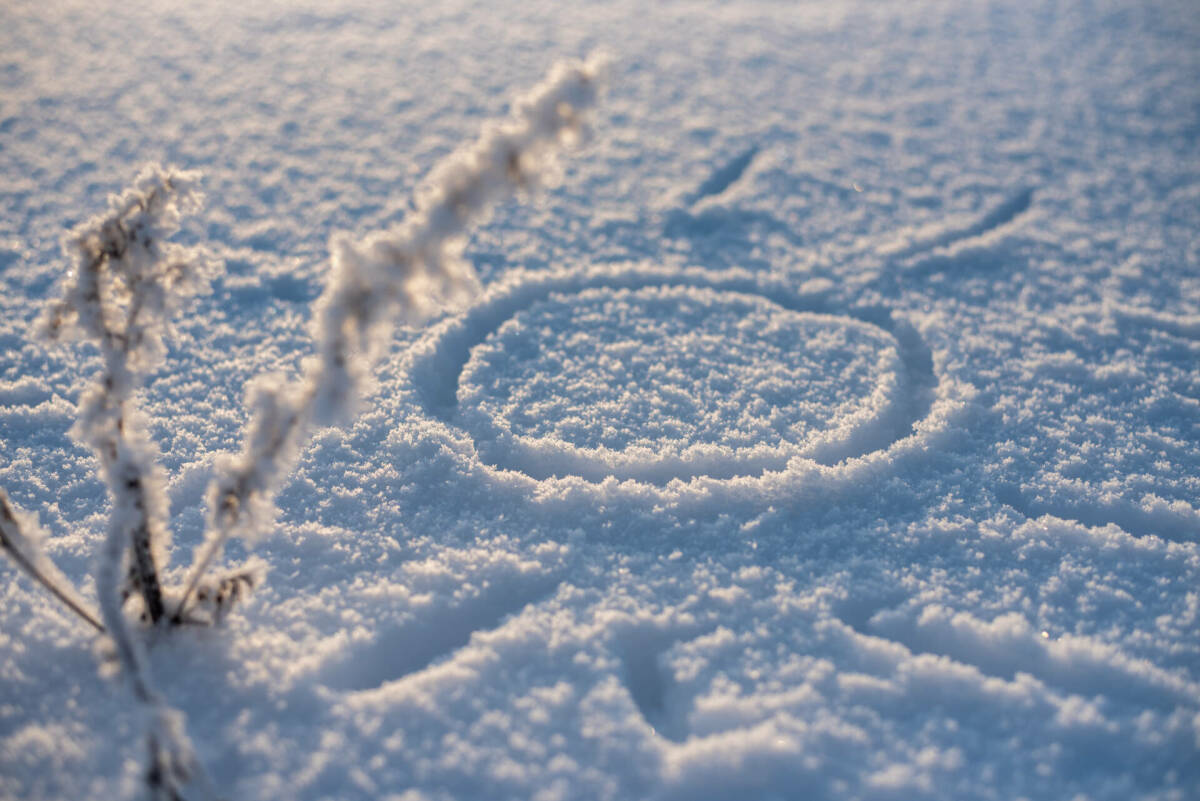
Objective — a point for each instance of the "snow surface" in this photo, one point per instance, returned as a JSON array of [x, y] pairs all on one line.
[[831, 431]]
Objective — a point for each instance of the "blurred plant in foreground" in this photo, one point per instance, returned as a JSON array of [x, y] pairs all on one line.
[[125, 286]]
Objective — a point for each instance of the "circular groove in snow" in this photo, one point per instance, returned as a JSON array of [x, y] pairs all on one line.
[[648, 377], [670, 382]]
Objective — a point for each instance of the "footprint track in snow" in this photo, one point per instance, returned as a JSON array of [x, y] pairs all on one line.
[[1183, 326], [725, 176], [884, 644], [650, 683], [429, 633], [1174, 522], [943, 239], [711, 215], [1008, 646]]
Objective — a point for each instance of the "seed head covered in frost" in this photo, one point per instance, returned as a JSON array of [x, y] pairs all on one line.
[[402, 276], [126, 281]]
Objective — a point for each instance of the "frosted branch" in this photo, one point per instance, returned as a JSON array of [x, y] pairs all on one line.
[[405, 275], [124, 287], [21, 538]]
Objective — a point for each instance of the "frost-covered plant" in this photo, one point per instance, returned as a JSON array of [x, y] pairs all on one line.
[[126, 284], [405, 275]]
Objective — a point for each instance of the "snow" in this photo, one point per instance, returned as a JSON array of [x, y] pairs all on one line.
[[826, 428]]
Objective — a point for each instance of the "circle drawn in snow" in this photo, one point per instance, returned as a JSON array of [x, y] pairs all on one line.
[[669, 382], [636, 378]]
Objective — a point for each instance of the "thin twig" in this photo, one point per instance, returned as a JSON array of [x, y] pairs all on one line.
[[11, 539], [407, 274]]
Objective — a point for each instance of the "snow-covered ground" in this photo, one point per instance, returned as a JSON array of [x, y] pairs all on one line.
[[831, 430]]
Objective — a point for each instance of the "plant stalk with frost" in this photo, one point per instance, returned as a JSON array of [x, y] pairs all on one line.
[[405, 275], [126, 284]]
